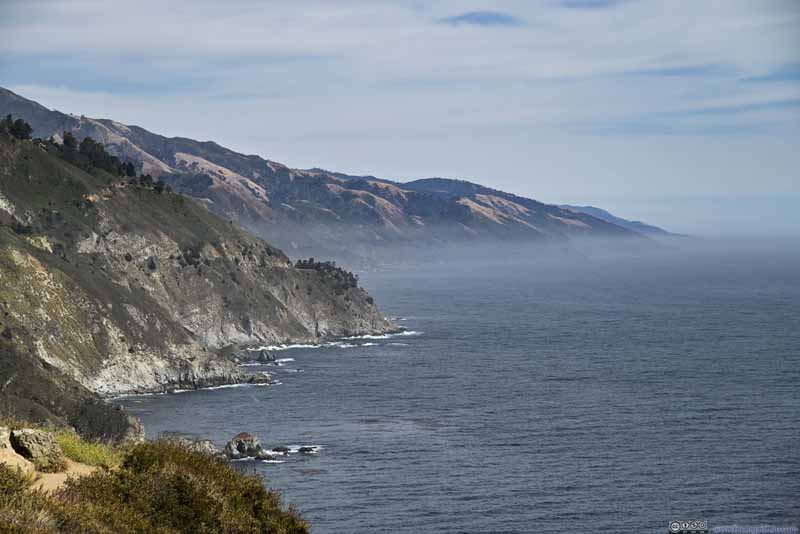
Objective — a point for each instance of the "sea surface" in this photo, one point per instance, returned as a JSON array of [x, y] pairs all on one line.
[[576, 394]]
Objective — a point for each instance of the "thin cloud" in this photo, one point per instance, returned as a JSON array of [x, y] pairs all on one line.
[[482, 18], [590, 4], [787, 73], [687, 71], [786, 104]]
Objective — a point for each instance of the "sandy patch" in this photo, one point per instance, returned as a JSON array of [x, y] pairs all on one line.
[[53, 481], [46, 481]]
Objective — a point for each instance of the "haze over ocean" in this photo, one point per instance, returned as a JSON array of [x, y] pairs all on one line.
[[607, 394]]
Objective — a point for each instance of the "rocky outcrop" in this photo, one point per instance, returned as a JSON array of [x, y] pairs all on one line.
[[40, 447], [243, 445]]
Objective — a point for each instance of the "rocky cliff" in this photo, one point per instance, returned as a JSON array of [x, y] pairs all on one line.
[[110, 286]]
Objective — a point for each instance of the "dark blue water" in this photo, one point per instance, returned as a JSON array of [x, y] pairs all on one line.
[[588, 395]]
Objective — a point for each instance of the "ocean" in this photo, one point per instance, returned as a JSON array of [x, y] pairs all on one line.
[[586, 393]]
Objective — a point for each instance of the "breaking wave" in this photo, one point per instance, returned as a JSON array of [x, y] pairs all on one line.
[[386, 336]]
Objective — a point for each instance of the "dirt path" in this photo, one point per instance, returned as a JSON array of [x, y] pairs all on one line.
[[45, 481], [53, 481]]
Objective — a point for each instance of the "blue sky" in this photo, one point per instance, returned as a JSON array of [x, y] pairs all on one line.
[[678, 112]]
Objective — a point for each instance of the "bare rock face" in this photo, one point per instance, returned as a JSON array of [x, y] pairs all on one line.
[[39, 447]]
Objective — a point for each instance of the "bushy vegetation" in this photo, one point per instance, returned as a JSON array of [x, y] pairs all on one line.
[[146, 181], [94, 453], [87, 154], [22, 510], [342, 279], [159, 487], [16, 128]]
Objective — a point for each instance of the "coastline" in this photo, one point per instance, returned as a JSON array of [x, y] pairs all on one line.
[[240, 356]]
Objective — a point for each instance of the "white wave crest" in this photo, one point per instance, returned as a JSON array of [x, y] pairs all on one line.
[[294, 449], [386, 336], [340, 345], [275, 348]]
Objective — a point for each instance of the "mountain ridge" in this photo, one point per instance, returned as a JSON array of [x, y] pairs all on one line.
[[320, 212]]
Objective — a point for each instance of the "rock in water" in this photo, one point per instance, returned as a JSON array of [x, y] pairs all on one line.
[[264, 455], [243, 445], [39, 447]]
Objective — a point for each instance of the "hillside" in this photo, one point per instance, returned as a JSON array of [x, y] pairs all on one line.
[[318, 212], [111, 285]]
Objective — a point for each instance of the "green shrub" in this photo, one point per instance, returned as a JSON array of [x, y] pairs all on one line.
[[88, 452]]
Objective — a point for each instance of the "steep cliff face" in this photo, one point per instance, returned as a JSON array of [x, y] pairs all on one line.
[[118, 288]]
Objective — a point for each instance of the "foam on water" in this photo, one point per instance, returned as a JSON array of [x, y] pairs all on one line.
[[386, 336], [275, 348], [340, 344], [227, 386]]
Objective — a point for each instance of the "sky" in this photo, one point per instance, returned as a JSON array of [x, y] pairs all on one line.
[[682, 113]]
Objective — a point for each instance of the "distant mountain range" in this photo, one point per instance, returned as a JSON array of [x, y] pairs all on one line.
[[635, 226], [331, 214]]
